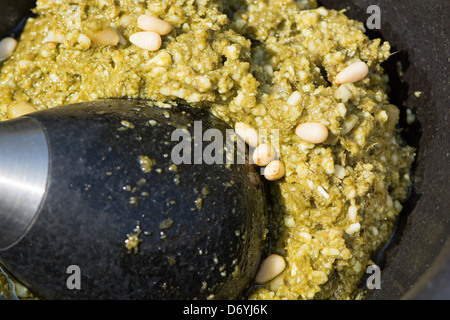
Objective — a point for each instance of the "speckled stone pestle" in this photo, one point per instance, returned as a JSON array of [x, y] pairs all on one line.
[[104, 213]]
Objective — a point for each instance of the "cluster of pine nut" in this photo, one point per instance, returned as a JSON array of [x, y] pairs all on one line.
[[153, 28], [312, 132], [264, 154]]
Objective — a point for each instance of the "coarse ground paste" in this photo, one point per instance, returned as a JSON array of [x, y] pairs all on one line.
[[338, 201]]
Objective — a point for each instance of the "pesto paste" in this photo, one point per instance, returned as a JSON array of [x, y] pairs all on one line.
[[242, 59]]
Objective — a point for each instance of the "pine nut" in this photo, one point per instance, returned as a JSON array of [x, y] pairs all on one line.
[[21, 290], [106, 37], [7, 47], [263, 154], [274, 170], [247, 133], [19, 109], [312, 132], [54, 37], [271, 267], [353, 228], [354, 72], [83, 40], [150, 23], [147, 40], [276, 283], [339, 171], [294, 99]]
